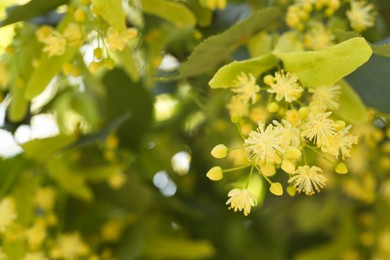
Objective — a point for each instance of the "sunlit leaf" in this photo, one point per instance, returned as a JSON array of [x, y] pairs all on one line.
[[325, 67], [227, 75], [112, 12], [174, 12], [126, 57], [210, 53], [351, 108], [30, 10], [42, 149]]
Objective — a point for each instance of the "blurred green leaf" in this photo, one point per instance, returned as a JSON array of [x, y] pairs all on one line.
[[30, 10], [127, 97], [174, 12], [210, 53], [112, 12], [260, 44], [19, 106], [351, 108], [165, 247], [371, 82], [72, 183], [42, 149], [227, 75], [288, 42], [126, 57], [325, 67]]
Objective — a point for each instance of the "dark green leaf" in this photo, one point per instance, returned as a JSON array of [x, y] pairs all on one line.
[[31, 9], [215, 49], [127, 97]]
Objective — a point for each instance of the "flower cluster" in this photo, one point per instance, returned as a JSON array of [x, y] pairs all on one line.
[[298, 125]]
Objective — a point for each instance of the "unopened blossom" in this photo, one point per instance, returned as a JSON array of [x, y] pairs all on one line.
[[241, 200], [246, 88], [264, 144], [43, 32], [285, 85], [308, 179], [361, 15], [74, 34]]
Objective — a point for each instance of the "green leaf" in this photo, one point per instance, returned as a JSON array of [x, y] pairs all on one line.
[[371, 82], [49, 66], [167, 248], [72, 183], [260, 44], [325, 67], [288, 42], [127, 97], [227, 75], [112, 12], [31, 9], [126, 57], [19, 106], [210, 53], [42, 149], [352, 108], [383, 49], [203, 15], [171, 11]]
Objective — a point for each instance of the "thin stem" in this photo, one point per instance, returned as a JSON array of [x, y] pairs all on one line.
[[236, 168], [239, 131], [250, 176], [320, 154], [265, 177]]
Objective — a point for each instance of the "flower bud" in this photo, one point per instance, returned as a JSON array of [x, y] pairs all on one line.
[[219, 151], [215, 173], [341, 168], [268, 169], [288, 166], [269, 79], [276, 189], [291, 191], [293, 153], [273, 107]]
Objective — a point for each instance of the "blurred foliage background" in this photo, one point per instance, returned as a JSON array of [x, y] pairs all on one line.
[[110, 159]]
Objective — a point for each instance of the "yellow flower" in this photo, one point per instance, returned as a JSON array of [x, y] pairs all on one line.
[[361, 15], [325, 97], [55, 44], [74, 34], [45, 198], [241, 200], [319, 128], [117, 40], [43, 32], [237, 108], [7, 213], [69, 247], [246, 87], [318, 38], [35, 256], [340, 144], [36, 234], [112, 230], [215, 173], [264, 144], [285, 85], [308, 179]]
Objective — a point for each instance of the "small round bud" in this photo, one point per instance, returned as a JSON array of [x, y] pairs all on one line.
[[215, 173], [110, 64], [304, 112], [269, 79], [340, 124], [288, 166], [276, 189], [93, 66], [76, 72], [235, 119], [293, 153], [219, 151], [10, 49], [268, 169], [98, 53], [291, 191], [67, 68], [341, 168], [273, 107], [79, 15]]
